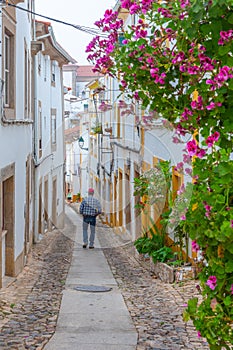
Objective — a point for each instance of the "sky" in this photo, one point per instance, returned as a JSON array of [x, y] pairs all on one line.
[[78, 12]]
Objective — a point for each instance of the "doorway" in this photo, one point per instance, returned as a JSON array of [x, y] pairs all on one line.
[[8, 244]]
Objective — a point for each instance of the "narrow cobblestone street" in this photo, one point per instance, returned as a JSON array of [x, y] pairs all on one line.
[[29, 306]]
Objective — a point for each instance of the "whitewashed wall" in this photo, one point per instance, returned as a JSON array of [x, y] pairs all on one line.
[[52, 162]]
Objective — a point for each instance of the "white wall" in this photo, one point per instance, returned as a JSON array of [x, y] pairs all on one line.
[[51, 163], [16, 141]]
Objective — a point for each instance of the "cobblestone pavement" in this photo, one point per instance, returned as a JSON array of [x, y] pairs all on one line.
[[29, 307], [156, 308]]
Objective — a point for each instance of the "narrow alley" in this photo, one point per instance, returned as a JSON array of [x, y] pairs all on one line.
[[31, 302]]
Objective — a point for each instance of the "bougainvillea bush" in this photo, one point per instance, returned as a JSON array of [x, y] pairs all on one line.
[[177, 60]]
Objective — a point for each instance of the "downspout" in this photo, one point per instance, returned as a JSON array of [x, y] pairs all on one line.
[[35, 143], [2, 4], [64, 146], [1, 80]]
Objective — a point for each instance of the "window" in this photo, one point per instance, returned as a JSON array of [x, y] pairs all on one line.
[[7, 70], [45, 67], [9, 63], [26, 85], [39, 63], [53, 127], [40, 129], [53, 72]]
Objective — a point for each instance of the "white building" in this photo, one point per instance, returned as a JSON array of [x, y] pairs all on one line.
[[31, 133], [49, 130], [16, 163]]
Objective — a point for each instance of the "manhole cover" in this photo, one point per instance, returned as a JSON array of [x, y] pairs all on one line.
[[93, 289]]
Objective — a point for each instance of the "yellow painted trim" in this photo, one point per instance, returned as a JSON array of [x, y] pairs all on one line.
[[175, 248], [94, 85], [155, 161], [177, 181], [145, 166]]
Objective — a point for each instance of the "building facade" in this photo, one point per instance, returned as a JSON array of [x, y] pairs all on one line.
[[131, 143], [16, 130], [31, 133]]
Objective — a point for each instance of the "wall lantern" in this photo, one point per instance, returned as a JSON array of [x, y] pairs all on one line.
[[81, 143]]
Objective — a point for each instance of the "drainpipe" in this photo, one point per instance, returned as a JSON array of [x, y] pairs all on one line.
[[35, 143], [2, 3]]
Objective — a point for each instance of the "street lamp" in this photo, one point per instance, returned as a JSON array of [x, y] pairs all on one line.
[[81, 143]]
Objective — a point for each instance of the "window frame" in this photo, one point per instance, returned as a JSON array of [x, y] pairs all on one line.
[[53, 134], [7, 65]]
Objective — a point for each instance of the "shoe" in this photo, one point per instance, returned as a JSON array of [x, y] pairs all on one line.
[[91, 247], [84, 245]]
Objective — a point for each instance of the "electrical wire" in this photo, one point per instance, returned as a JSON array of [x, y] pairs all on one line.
[[84, 29]]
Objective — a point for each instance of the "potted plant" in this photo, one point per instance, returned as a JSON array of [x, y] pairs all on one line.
[[97, 129]]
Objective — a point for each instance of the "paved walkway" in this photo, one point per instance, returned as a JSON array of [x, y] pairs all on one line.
[[88, 320], [40, 309]]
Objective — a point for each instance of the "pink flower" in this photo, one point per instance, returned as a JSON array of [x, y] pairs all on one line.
[[199, 334], [153, 72], [164, 12], [210, 106], [212, 282], [184, 3], [208, 209], [200, 153], [232, 289], [197, 104], [126, 4], [187, 159], [216, 135], [231, 223], [179, 166], [141, 34], [195, 246], [193, 70], [179, 57], [212, 138], [136, 96], [134, 9], [186, 113], [183, 217], [123, 83], [209, 141], [192, 147]]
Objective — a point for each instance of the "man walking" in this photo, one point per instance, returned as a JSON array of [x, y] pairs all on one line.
[[90, 208]]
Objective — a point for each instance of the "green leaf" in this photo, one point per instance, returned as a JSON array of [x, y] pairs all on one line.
[[186, 316], [223, 50], [220, 198], [229, 267], [192, 305], [230, 19], [230, 84], [229, 247], [227, 301]]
